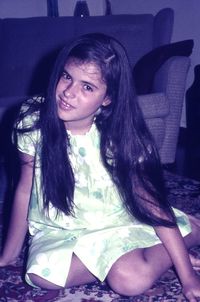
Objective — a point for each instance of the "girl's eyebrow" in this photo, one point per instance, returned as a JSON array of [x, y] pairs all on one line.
[[90, 84], [83, 81], [65, 70]]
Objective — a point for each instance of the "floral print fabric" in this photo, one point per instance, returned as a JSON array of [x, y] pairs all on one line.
[[100, 231]]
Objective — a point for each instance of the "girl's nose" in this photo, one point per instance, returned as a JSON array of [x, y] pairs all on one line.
[[67, 94], [69, 91]]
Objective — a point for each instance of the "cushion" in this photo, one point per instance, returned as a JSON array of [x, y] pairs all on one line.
[[145, 69]]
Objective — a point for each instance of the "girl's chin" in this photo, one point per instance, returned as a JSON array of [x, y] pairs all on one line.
[[63, 114]]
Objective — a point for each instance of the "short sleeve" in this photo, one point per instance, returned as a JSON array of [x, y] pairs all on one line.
[[27, 142]]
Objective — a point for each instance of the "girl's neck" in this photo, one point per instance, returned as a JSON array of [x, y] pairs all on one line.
[[77, 130]]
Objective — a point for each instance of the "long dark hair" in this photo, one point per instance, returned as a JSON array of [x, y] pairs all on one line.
[[126, 146]]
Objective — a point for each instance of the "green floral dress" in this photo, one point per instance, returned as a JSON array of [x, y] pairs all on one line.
[[101, 230]]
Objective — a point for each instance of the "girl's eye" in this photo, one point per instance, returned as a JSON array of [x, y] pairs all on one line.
[[65, 75], [88, 87]]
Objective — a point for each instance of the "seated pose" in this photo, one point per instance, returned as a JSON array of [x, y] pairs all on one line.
[[91, 190]]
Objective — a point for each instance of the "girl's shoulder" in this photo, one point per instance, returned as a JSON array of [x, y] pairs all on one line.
[[29, 112], [32, 104]]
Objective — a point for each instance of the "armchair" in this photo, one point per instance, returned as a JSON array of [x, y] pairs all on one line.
[[28, 48], [163, 107]]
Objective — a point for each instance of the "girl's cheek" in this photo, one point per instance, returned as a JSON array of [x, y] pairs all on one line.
[[58, 87]]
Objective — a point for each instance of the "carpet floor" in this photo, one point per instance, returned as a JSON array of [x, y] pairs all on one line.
[[183, 193]]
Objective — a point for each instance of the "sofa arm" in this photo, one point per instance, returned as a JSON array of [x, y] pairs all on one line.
[[155, 108], [170, 79], [154, 105], [171, 76]]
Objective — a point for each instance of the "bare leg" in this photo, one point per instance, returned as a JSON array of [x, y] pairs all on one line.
[[136, 271], [78, 274], [131, 274]]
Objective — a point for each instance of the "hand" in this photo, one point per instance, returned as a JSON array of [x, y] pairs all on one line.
[[191, 290]]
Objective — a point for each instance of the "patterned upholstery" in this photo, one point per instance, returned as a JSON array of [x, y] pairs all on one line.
[[162, 109]]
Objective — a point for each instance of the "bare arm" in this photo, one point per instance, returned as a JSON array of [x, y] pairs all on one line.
[[177, 248], [18, 222], [175, 245]]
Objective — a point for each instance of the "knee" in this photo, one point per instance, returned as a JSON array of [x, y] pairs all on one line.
[[129, 283]]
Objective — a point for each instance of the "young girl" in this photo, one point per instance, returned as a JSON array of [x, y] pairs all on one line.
[[91, 189]]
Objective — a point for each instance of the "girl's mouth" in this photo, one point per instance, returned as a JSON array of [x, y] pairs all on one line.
[[64, 105]]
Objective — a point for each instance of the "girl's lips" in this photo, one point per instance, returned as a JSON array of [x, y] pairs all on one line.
[[64, 105]]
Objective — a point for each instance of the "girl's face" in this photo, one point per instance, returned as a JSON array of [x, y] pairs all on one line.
[[79, 93]]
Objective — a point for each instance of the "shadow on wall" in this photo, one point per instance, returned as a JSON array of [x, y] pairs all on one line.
[[9, 166], [41, 74]]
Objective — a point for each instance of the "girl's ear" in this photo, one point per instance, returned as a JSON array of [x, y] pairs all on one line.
[[106, 101]]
